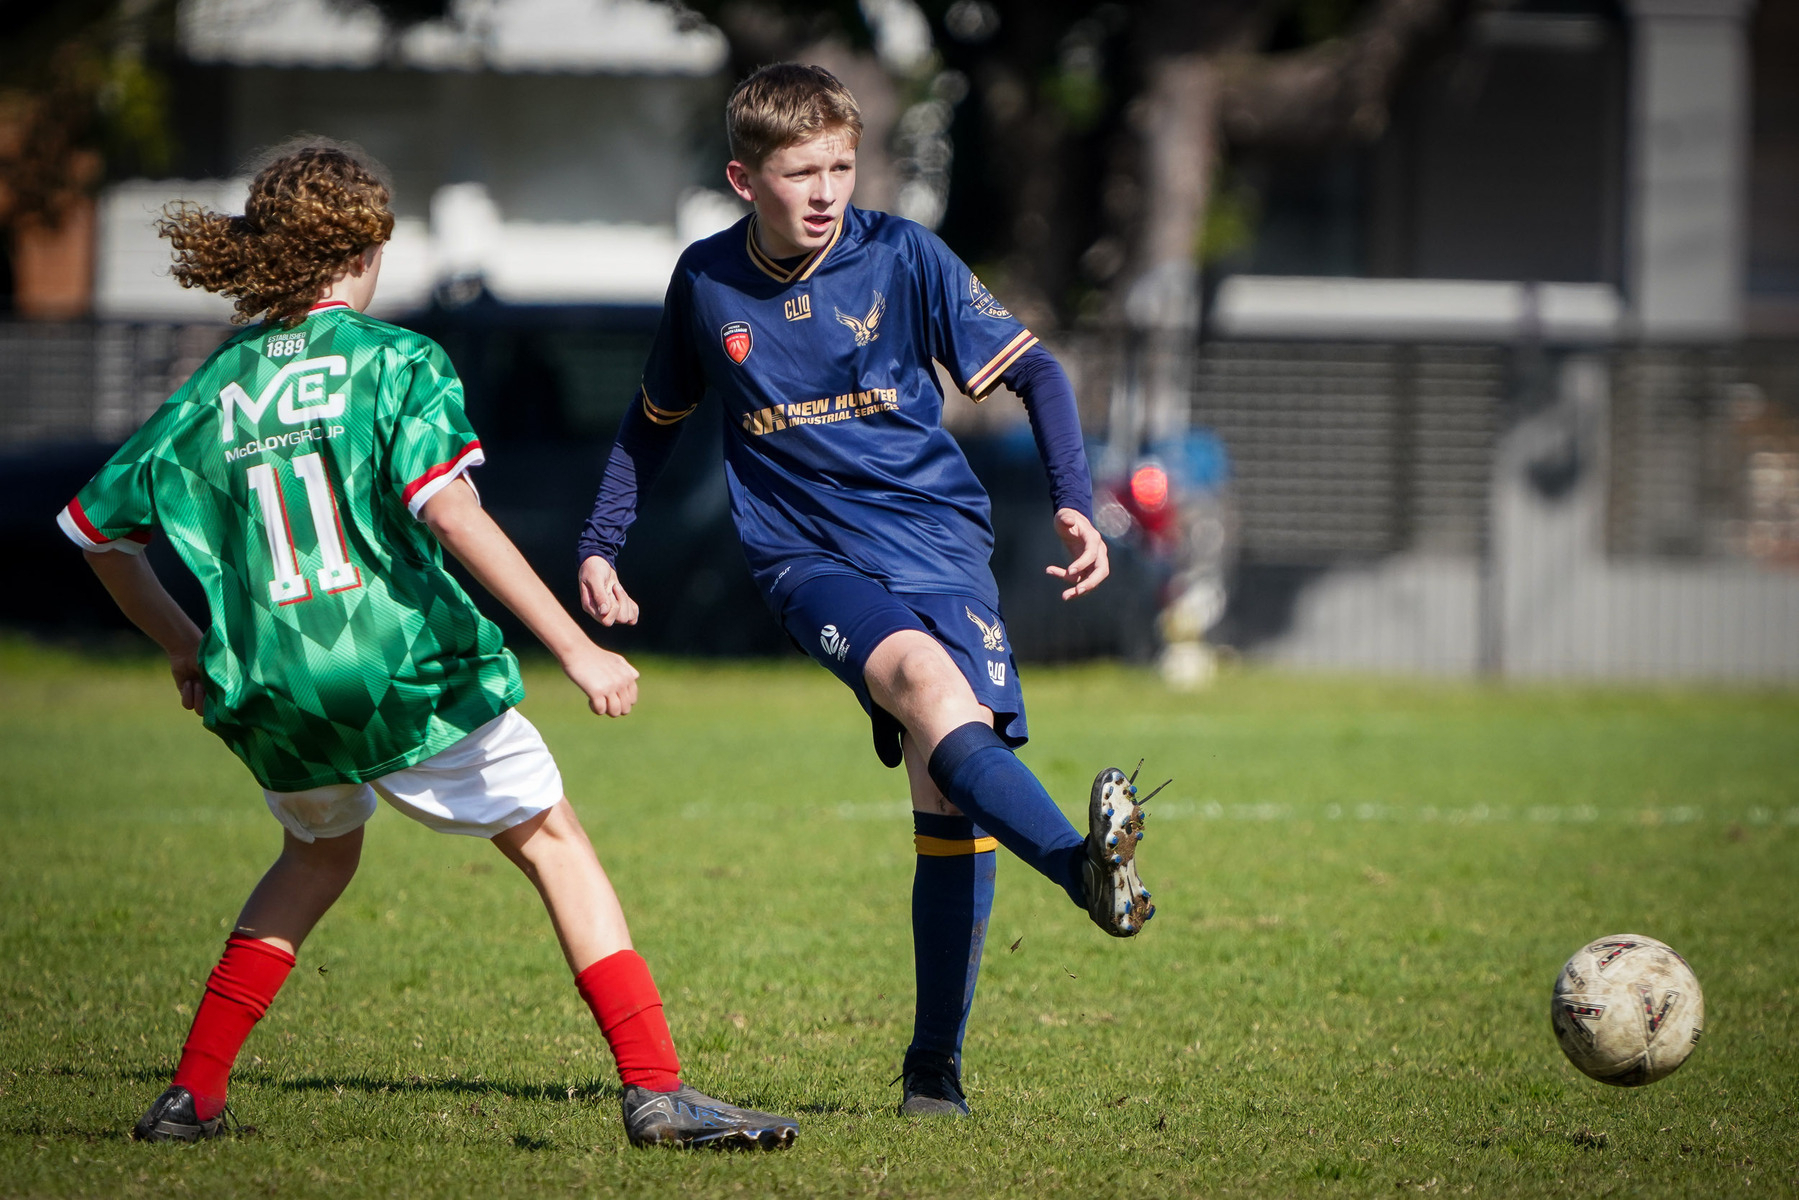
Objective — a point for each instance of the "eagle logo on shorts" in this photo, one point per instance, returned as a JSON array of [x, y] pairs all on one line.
[[993, 637], [737, 340], [868, 328]]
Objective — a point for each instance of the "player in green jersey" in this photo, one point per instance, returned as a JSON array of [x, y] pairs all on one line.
[[308, 474]]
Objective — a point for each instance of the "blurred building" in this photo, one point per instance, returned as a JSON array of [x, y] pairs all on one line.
[[553, 151]]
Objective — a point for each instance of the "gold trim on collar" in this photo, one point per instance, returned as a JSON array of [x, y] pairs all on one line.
[[801, 271]]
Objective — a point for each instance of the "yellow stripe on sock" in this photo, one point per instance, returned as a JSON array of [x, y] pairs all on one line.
[[936, 847]]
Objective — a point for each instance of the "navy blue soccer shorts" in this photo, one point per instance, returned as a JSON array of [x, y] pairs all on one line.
[[840, 619]]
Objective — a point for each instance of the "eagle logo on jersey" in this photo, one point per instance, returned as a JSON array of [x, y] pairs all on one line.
[[737, 340], [868, 328], [983, 300], [993, 636]]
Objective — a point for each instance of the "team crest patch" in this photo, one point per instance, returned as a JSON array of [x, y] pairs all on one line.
[[737, 340], [983, 300], [868, 328]]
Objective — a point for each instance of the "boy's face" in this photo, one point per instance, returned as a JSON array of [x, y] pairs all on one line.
[[799, 191]]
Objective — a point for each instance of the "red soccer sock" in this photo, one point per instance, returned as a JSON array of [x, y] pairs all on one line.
[[628, 1007], [237, 994]]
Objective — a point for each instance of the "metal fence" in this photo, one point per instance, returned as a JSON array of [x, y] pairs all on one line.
[[91, 381], [1524, 510]]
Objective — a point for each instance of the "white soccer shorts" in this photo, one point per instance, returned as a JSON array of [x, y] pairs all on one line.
[[496, 777]]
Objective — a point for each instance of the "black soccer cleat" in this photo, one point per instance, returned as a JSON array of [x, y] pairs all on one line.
[[1116, 898], [171, 1119], [932, 1086], [684, 1118]]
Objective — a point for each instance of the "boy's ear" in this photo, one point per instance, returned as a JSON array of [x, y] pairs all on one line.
[[738, 176]]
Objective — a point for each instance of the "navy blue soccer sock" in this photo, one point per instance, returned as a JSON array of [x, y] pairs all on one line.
[[952, 898], [975, 769]]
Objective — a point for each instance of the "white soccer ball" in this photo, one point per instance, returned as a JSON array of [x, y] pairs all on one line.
[[1627, 1010]]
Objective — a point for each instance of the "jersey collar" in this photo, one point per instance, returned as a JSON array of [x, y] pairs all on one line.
[[802, 271], [327, 305]]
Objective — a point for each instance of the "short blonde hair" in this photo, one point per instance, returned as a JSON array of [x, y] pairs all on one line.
[[785, 104]]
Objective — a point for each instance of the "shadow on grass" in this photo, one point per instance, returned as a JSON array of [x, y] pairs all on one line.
[[482, 1087], [511, 1090], [68, 1129], [157, 1078]]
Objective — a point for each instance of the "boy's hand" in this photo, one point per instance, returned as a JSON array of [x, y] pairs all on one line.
[[1088, 550], [189, 680], [604, 598], [609, 681]]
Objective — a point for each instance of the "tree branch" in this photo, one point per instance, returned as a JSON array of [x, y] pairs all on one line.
[[1339, 89]]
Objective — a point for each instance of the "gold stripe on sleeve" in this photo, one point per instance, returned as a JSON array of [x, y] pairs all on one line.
[[982, 381], [663, 416]]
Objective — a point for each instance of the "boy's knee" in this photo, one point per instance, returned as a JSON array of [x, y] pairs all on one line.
[[918, 670], [554, 831], [336, 857]]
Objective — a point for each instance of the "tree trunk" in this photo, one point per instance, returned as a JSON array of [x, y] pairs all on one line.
[[1179, 134]]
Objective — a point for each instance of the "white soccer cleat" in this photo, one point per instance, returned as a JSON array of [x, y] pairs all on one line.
[[1116, 898]]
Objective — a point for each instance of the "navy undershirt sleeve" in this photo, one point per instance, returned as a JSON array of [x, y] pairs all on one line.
[[638, 456], [1048, 397]]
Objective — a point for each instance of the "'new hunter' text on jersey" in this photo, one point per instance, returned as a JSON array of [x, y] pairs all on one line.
[[288, 474], [835, 450]]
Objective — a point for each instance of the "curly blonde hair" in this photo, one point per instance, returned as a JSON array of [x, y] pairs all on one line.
[[314, 205]]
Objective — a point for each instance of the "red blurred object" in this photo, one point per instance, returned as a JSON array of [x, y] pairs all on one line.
[[1149, 488], [1148, 497]]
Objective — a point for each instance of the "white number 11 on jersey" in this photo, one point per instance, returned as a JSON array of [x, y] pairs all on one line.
[[338, 574]]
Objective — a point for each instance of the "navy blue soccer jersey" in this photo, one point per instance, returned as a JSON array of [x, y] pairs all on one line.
[[835, 450]]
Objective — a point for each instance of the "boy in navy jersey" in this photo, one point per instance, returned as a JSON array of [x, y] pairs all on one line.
[[813, 326]]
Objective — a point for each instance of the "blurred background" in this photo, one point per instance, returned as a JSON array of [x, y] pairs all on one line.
[[1445, 337]]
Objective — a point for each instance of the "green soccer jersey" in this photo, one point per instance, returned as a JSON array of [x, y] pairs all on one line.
[[289, 473]]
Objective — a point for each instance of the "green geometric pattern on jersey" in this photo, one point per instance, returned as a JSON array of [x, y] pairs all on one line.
[[326, 666]]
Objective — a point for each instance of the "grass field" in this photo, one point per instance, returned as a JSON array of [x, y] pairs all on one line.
[[1365, 892]]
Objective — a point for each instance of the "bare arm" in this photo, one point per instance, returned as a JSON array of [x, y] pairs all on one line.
[[466, 531], [134, 587]]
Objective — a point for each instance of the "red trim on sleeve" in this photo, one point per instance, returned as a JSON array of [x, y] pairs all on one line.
[[79, 516], [438, 471]]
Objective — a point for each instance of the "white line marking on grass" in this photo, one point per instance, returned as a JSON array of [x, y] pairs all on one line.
[[1268, 813], [1475, 814]]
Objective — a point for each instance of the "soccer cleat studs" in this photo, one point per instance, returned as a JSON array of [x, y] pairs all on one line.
[[1109, 875]]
